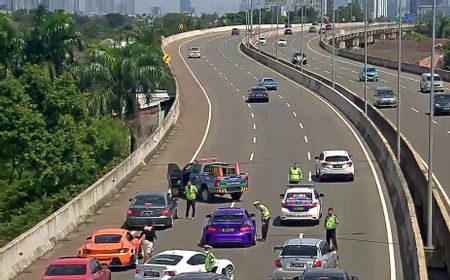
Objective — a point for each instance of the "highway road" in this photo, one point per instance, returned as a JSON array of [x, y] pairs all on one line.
[[265, 139], [414, 104]]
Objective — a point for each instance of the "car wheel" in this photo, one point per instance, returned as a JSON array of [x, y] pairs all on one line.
[[228, 271], [133, 261], [205, 195], [236, 196], [175, 192]]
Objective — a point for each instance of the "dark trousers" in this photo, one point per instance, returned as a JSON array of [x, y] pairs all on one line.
[[293, 182], [265, 228], [331, 236], [189, 204]]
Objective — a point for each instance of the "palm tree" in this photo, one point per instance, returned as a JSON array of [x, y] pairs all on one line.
[[442, 27], [10, 45]]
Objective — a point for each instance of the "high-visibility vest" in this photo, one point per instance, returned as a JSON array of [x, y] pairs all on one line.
[[330, 222], [265, 213], [210, 261], [294, 174], [191, 192]]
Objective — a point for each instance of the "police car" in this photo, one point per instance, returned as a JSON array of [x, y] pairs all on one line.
[[301, 202]]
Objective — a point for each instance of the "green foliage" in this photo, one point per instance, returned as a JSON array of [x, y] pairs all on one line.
[[345, 13], [442, 27], [415, 36]]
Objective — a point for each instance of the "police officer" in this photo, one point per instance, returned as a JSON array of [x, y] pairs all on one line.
[[191, 194], [295, 174], [265, 218], [210, 261], [331, 220]]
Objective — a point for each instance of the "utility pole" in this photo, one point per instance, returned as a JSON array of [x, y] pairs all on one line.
[[365, 57], [302, 36], [276, 49], [333, 70], [399, 71]]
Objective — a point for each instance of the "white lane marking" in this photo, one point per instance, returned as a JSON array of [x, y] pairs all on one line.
[[328, 72], [281, 97], [309, 156], [254, 126], [220, 73], [231, 84], [237, 65], [402, 86], [343, 68], [448, 131], [243, 97], [215, 68], [384, 81], [313, 58], [225, 78], [338, 76], [317, 68], [253, 116], [354, 72], [252, 156], [351, 81], [242, 68], [207, 60], [249, 73], [309, 176], [231, 60], [306, 139], [289, 105], [301, 125], [415, 110], [254, 139], [435, 122], [248, 105], [232, 204], [447, 199], [370, 162], [238, 90], [294, 113], [256, 78], [208, 124]]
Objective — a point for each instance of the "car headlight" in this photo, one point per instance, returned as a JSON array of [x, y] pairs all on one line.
[[437, 105]]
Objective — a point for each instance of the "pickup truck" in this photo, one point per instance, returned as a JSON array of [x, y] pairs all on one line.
[[210, 176]]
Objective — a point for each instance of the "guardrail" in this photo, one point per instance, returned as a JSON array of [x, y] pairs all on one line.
[[377, 132]]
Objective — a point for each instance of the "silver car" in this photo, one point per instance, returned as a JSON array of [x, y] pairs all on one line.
[[425, 82], [195, 52], [384, 97], [300, 254]]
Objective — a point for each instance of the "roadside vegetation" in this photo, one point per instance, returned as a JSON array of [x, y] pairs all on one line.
[[424, 30]]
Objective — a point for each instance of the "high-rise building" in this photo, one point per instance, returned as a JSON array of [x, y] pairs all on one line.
[[155, 11], [185, 6], [243, 6]]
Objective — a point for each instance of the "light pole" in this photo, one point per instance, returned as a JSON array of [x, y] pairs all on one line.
[[276, 46], [333, 70], [430, 140], [399, 70], [246, 22], [321, 18], [301, 36], [251, 17], [365, 57], [259, 33]]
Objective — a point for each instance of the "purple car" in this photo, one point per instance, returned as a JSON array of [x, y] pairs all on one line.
[[231, 225]]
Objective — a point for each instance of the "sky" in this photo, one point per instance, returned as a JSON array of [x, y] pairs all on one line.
[[202, 6]]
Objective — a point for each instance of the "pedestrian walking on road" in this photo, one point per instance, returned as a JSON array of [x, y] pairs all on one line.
[[265, 219], [148, 236], [191, 195], [295, 174], [210, 261], [331, 220]]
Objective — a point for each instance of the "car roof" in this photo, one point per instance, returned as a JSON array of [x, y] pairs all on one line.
[[267, 78], [281, 39], [150, 193], [229, 210], [258, 88], [368, 66], [196, 276], [303, 241], [110, 231], [70, 260], [429, 74], [335, 153], [383, 88], [299, 189], [325, 272], [183, 253]]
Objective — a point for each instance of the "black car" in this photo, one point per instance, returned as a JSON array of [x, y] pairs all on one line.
[[235, 31], [328, 26], [198, 276], [312, 29], [258, 94], [287, 25], [159, 207], [288, 31], [326, 273], [441, 103], [299, 58]]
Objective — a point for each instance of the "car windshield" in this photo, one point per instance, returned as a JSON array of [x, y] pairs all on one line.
[[165, 259], [385, 92], [306, 277], [228, 218], [442, 97], [149, 200], [258, 90], [66, 269], [336, 158], [371, 70], [436, 78], [299, 196], [282, 40], [299, 250], [268, 81], [107, 238], [195, 49]]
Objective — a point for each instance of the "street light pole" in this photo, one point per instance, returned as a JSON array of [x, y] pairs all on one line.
[[246, 23], [365, 57], [276, 46], [301, 36], [430, 140], [399, 77], [333, 70], [259, 33], [251, 17], [321, 19]]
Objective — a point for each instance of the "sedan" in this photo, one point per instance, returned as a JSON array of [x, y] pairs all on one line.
[[173, 262], [300, 254], [195, 52], [335, 163], [288, 31], [268, 83], [325, 274], [299, 58], [70, 268], [258, 94], [199, 276], [263, 41], [230, 225], [282, 42], [159, 207], [301, 203], [441, 104], [312, 29], [384, 97]]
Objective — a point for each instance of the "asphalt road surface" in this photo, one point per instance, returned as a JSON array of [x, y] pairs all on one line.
[[414, 104], [265, 139]]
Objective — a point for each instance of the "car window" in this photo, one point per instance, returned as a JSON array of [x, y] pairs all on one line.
[[442, 97], [385, 92], [436, 78], [207, 168], [188, 167], [299, 196], [95, 266], [228, 217], [149, 200], [299, 250], [130, 237], [196, 168], [316, 194], [321, 277], [325, 248], [321, 156], [66, 269], [165, 259], [371, 69], [107, 238], [337, 158], [197, 259]]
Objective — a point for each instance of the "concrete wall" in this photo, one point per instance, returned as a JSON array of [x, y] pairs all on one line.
[[411, 246]]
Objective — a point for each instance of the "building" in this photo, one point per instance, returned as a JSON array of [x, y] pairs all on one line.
[[185, 6], [155, 11], [243, 6]]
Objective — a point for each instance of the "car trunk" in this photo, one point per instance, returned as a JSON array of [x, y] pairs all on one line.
[[228, 227], [295, 263], [152, 271], [298, 205], [65, 277], [104, 248], [145, 211]]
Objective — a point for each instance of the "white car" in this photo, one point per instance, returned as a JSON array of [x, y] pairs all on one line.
[[302, 203], [263, 41], [335, 163], [425, 82], [195, 52], [282, 42], [172, 262]]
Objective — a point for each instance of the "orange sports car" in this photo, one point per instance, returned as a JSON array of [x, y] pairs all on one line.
[[112, 247]]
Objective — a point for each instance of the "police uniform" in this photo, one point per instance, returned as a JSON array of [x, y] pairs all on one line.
[[295, 175], [265, 219], [331, 221], [191, 195], [210, 260]]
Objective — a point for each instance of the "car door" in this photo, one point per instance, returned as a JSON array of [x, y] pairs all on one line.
[[329, 257], [318, 163], [187, 173], [197, 262], [96, 270], [194, 175], [174, 175], [172, 203]]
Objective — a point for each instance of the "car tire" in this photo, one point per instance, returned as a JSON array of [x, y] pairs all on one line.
[[133, 261], [205, 195], [175, 192], [283, 222], [228, 271], [236, 196]]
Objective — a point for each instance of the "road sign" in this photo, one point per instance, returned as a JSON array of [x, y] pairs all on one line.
[[181, 26], [166, 58]]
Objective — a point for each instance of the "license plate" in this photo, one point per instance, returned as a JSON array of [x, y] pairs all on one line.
[[151, 273], [147, 213], [337, 166], [228, 230], [297, 265], [299, 208]]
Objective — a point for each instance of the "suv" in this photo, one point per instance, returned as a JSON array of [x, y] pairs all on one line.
[[195, 52], [288, 31], [335, 163], [235, 31], [312, 29], [263, 41], [69, 268], [384, 97], [300, 254], [326, 273], [372, 73], [425, 83]]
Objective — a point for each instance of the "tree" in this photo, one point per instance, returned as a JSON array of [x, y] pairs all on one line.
[[443, 27], [10, 46]]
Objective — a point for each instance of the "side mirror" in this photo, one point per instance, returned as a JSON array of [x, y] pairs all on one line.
[[350, 156], [321, 195], [89, 237], [276, 248], [281, 195], [208, 216], [130, 199], [316, 157]]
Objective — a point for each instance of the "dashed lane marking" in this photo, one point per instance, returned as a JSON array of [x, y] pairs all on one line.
[[254, 139], [309, 156], [306, 139], [248, 105], [289, 105], [301, 125], [252, 156], [254, 126], [309, 176], [415, 110], [253, 116], [281, 97], [351, 81], [294, 113], [328, 72]]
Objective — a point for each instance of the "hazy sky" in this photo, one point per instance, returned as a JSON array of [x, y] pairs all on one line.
[[207, 6]]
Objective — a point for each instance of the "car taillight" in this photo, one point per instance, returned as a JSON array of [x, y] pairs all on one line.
[[317, 264], [245, 228], [211, 229], [123, 250], [325, 164], [313, 205], [129, 212], [349, 164], [166, 212], [86, 251], [170, 272], [277, 263], [283, 205], [137, 271]]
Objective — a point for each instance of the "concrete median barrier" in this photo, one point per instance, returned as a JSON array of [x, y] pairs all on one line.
[[400, 192]]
